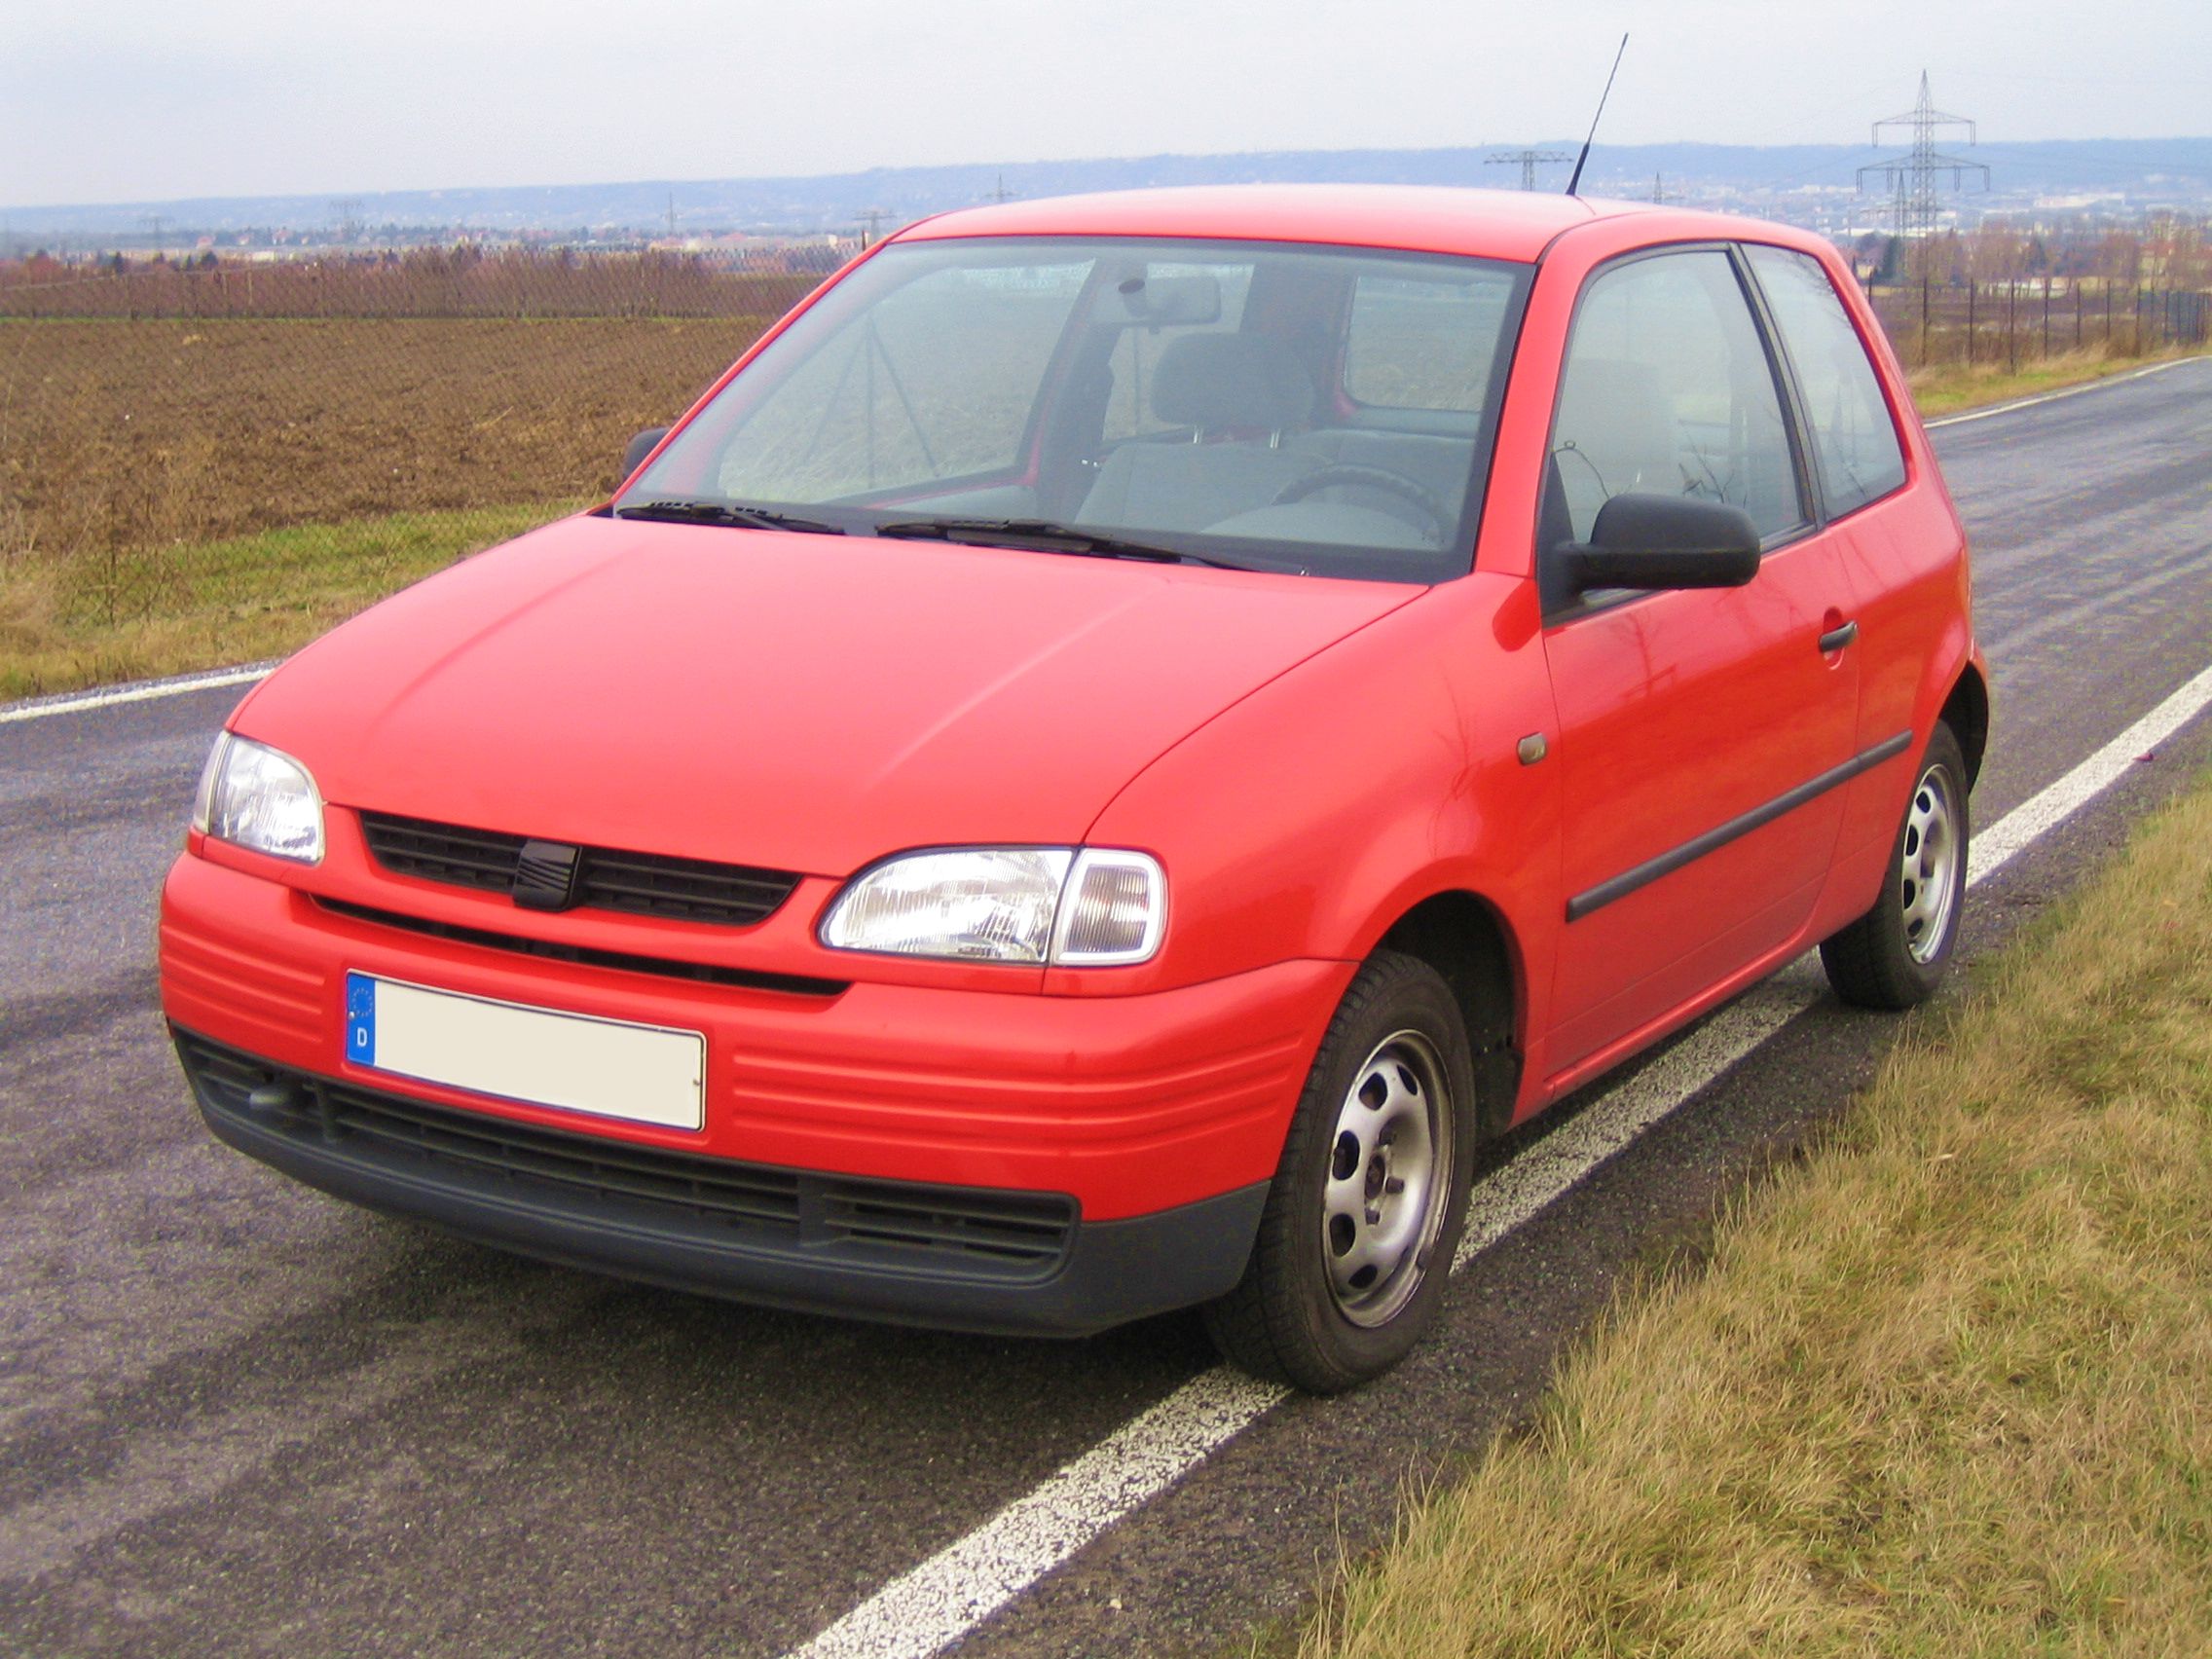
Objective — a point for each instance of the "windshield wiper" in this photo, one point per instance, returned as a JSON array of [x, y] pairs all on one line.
[[729, 513], [1046, 536]]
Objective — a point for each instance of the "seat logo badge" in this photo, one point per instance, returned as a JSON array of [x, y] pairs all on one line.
[[545, 876]]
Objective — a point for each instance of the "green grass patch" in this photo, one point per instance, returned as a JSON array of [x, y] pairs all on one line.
[[1939, 1389], [135, 613]]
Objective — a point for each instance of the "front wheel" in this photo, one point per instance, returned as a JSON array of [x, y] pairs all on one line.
[[1356, 1238], [1893, 956]]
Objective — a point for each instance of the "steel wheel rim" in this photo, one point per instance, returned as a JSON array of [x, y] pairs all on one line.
[[1389, 1169], [1928, 867]]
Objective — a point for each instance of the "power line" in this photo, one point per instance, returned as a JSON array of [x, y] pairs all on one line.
[[1526, 161], [1913, 176]]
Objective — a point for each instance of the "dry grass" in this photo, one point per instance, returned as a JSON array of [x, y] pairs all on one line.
[[1940, 1391], [1944, 388]]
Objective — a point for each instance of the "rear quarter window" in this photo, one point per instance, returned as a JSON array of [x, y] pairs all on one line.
[[1854, 441]]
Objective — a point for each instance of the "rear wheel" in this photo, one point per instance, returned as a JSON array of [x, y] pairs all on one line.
[[1893, 956], [1357, 1236]]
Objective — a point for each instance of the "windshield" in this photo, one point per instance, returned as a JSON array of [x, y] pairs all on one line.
[[1273, 406]]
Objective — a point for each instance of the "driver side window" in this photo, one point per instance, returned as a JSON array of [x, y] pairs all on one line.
[[1668, 389]]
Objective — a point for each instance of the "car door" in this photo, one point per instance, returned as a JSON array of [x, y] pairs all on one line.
[[1906, 544], [1700, 731]]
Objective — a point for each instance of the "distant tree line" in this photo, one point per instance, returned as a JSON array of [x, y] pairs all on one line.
[[2006, 292], [462, 280]]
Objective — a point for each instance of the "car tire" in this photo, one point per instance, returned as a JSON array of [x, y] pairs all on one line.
[[1893, 956], [1356, 1237]]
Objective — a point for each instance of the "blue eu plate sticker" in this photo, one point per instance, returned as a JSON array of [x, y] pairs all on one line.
[[360, 1019]]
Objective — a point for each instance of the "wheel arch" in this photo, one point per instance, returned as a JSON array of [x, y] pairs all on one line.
[[1468, 941], [1966, 711]]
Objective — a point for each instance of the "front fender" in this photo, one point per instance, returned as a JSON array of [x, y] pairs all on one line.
[[1306, 819]]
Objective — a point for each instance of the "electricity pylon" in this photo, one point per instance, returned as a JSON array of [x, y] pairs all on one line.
[[1912, 176], [1528, 160]]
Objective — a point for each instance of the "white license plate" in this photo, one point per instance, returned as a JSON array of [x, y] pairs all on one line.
[[648, 1074]]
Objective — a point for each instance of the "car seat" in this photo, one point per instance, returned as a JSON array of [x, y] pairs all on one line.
[[1238, 393]]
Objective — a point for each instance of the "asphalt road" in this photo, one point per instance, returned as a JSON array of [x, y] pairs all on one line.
[[239, 1417]]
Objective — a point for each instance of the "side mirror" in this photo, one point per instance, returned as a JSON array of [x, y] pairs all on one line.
[[640, 446], [1663, 542]]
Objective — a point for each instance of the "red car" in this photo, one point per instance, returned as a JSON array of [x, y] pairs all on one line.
[[1085, 776]]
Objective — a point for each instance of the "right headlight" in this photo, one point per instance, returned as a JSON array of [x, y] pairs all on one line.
[[1067, 907], [259, 797]]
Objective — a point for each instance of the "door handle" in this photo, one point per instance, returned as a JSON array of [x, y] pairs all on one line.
[[1836, 638]]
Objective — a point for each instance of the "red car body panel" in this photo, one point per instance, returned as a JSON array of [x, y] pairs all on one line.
[[1310, 758], [1414, 217], [819, 701]]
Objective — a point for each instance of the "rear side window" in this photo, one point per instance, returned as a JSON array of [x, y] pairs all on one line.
[[1854, 443], [1668, 390]]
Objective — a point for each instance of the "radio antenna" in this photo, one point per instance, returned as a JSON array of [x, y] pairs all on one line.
[[1601, 98]]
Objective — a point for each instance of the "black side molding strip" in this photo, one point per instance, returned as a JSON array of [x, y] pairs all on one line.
[[1667, 863]]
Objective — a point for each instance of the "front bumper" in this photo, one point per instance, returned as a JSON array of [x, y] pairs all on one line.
[[908, 1253], [1152, 1121]]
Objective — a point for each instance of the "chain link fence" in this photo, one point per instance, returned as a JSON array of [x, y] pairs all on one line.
[[2017, 322]]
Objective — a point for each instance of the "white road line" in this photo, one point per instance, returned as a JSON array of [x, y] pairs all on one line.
[[144, 691], [959, 1587], [1542, 1173], [2057, 396], [920, 1613], [2047, 808]]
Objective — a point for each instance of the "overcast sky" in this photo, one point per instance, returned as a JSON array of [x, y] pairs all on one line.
[[121, 100]]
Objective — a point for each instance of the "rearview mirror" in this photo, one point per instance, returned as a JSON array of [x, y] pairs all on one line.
[[640, 446], [1663, 542], [1191, 299]]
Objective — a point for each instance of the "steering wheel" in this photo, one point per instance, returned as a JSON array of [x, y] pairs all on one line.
[[1434, 522]]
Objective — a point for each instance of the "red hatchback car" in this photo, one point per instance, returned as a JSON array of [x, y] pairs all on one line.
[[1085, 776]]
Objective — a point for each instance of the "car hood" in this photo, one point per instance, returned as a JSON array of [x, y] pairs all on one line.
[[800, 702]]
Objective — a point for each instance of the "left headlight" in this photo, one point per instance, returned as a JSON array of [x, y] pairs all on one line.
[[257, 797], [1068, 906]]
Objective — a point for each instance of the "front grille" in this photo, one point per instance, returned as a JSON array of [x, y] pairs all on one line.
[[646, 884], [628, 962], [951, 1232]]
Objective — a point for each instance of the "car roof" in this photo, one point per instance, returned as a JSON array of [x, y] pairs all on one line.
[[1496, 224]]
